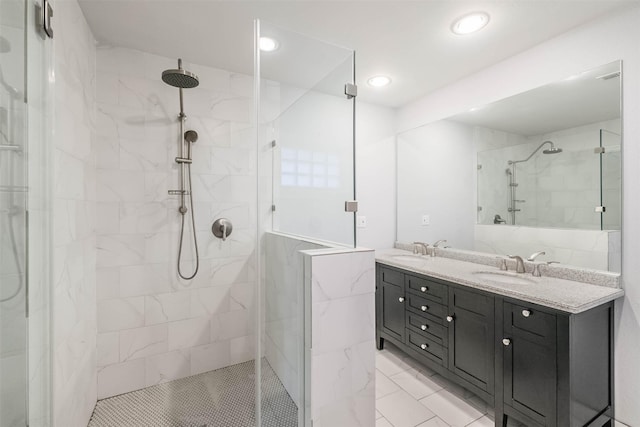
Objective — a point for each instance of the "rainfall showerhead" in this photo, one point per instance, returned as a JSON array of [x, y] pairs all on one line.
[[180, 78], [552, 150]]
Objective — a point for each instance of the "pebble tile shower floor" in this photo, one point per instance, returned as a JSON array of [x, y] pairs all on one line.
[[220, 398]]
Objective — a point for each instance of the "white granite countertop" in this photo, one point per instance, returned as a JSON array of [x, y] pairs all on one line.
[[560, 294]]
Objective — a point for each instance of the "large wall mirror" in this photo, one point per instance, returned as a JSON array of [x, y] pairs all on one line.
[[538, 171]]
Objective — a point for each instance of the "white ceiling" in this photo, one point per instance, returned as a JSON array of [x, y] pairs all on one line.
[[408, 40]]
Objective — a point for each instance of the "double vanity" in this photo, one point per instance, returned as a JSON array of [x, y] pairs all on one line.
[[536, 349]]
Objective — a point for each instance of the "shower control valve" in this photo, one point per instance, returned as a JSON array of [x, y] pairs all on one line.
[[222, 228]]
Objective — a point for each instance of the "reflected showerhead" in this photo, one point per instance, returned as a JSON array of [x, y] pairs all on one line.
[[180, 78], [551, 150]]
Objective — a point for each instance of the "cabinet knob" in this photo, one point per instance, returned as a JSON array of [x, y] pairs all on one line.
[[449, 319], [424, 289], [424, 327], [401, 299], [526, 313], [424, 346], [424, 308], [506, 341]]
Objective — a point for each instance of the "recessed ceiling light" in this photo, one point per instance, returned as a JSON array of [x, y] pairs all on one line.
[[379, 81], [268, 44], [470, 23]]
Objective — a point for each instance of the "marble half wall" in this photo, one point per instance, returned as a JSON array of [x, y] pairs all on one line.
[[594, 249], [284, 308], [339, 289]]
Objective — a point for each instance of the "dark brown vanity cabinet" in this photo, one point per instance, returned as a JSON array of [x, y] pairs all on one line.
[[537, 365]]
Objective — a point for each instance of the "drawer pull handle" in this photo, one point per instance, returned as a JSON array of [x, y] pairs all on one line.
[[506, 341], [424, 308], [401, 299], [424, 289], [424, 346], [449, 319], [526, 313], [424, 327]]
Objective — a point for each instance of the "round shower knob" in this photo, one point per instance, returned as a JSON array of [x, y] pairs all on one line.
[[222, 228]]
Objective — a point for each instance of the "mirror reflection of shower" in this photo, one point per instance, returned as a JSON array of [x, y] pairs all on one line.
[[513, 201], [183, 79]]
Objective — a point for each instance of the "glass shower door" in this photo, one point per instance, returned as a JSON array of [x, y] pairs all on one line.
[[13, 226]]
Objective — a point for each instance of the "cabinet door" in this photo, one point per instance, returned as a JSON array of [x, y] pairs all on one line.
[[392, 310], [471, 337], [529, 365]]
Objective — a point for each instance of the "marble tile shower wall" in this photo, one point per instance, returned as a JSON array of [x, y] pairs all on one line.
[[74, 214], [153, 327], [559, 190]]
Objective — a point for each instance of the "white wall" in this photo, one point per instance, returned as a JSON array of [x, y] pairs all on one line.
[[74, 219], [607, 40], [376, 175], [436, 165]]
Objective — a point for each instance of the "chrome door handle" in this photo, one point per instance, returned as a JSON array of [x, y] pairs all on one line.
[[424, 289], [424, 327], [506, 341], [424, 346], [526, 313], [449, 319], [424, 308], [401, 299]]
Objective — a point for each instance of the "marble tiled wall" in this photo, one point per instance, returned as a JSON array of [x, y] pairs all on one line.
[[74, 216], [340, 346], [153, 327], [595, 249], [283, 295], [560, 190]]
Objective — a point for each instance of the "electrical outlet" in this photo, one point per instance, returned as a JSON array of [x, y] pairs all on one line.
[[426, 220], [361, 221]]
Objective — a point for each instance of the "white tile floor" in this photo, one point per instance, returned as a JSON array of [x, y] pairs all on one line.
[[410, 395]]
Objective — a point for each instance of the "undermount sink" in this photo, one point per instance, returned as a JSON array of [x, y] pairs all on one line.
[[508, 278], [409, 258]]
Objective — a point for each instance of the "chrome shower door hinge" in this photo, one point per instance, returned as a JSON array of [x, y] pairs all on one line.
[[350, 90], [351, 206], [599, 150], [44, 13], [600, 209]]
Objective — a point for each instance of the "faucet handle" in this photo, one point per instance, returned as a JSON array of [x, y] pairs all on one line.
[[436, 244], [503, 264]]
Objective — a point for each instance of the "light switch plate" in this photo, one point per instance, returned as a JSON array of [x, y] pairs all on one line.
[[361, 221], [426, 220]]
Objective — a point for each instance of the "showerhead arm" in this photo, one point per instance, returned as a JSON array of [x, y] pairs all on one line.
[[511, 162]]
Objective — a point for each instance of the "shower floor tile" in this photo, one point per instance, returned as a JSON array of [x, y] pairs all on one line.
[[221, 398]]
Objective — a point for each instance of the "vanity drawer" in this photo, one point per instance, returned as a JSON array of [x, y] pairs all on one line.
[[426, 307], [392, 276], [426, 287], [427, 347], [530, 320], [427, 327]]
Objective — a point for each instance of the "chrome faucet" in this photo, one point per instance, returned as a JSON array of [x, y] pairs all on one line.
[[423, 248], [435, 245], [533, 257], [519, 263]]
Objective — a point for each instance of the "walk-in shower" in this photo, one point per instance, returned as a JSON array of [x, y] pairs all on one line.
[[513, 183], [183, 79]]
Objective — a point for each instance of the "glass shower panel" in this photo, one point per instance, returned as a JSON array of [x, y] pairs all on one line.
[[13, 226], [610, 179], [311, 123], [305, 145]]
